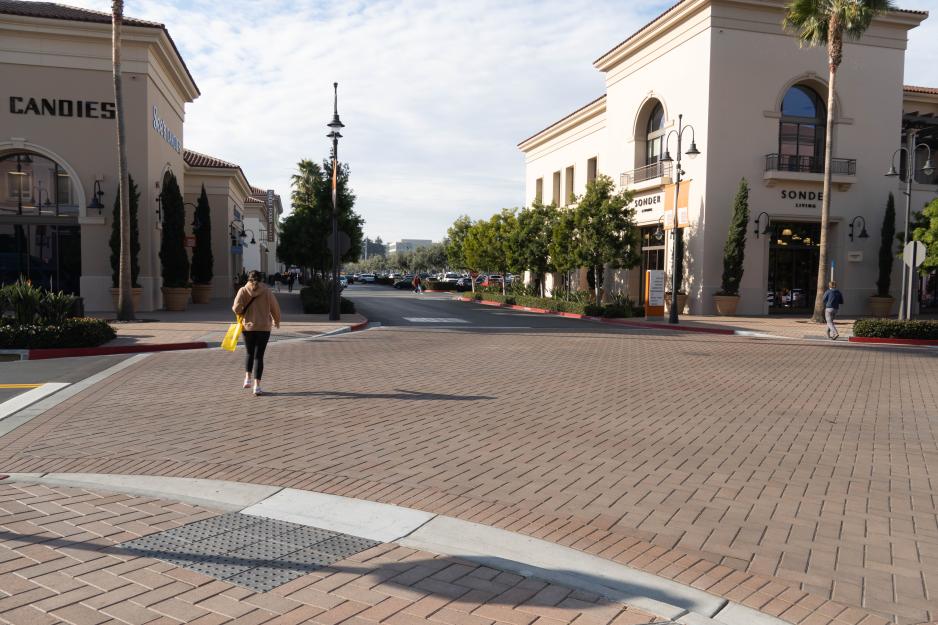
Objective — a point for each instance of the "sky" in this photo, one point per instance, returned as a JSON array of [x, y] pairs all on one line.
[[435, 94]]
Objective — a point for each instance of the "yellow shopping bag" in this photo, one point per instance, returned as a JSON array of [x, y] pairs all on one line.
[[230, 342]]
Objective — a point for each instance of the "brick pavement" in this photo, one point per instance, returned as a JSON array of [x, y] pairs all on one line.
[[61, 562], [776, 474], [208, 322]]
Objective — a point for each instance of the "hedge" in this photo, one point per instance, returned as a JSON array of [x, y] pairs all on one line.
[[893, 329], [72, 332], [557, 305], [436, 285], [315, 300]]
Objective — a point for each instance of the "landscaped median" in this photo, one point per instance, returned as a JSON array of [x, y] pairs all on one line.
[[895, 332]]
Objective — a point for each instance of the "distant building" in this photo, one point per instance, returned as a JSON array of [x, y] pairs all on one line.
[[408, 245]]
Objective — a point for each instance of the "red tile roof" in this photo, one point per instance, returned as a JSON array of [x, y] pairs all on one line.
[[54, 11], [197, 159], [914, 89]]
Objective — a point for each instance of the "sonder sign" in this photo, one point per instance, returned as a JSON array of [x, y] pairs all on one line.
[[646, 203], [60, 107], [805, 199], [163, 130]]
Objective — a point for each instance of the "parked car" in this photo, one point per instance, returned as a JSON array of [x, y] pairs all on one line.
[[368, 278], [406, 282], [464, 284], [343, 281], [493, 280], [449, 276]]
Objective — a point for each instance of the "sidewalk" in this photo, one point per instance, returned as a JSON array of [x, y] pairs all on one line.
[[792, 327], [209, 322]]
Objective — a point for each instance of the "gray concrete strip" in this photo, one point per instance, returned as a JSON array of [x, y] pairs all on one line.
[[218, 494], [17, 403], [367, 519], [539, 558], [13, 421], [736, 614]]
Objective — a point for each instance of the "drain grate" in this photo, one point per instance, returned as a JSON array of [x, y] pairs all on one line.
[[249, 551]]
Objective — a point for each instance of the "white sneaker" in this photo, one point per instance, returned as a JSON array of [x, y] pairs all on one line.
[[247, 384], [258, 391]]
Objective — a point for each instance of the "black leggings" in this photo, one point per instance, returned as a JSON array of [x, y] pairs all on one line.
[[256, 343]]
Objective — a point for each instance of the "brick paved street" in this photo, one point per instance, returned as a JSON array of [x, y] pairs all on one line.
[[61, 562], [800, 464]]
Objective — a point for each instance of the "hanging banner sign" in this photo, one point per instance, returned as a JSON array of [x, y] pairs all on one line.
[[270, 215], [683, 218]]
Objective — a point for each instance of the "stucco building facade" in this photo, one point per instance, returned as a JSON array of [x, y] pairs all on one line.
[[756, 103]]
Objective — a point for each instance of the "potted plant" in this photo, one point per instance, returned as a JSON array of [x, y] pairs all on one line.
[[202, 254], [175, 261], [727, 298], [881, 303], [115, 243]]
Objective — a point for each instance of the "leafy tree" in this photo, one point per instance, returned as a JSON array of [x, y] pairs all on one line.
[[478, 247], [605, 232], [887, 248], [824, 23], [563, 243], [173, 246], [502, 236], [735, 249], [532, 240], [202, 261], [927, 233], [455, 239], [115, 242]]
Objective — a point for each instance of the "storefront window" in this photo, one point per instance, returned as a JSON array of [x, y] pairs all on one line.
[[35, 185], [47, 255], [654, 135], [801, 130]]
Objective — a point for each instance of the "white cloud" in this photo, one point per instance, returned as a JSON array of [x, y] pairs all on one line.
[[435, 95]]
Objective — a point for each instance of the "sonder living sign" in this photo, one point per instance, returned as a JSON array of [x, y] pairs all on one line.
[[60, 107]]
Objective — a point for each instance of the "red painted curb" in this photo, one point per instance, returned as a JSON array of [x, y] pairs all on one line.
[[70, 352], [870, 339], [623, 322], [358, 326]]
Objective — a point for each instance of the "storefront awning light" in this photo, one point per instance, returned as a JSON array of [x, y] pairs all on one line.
[[786, 232]]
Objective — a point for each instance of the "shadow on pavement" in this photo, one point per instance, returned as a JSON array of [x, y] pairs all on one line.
[[399, 394], [462, 575]]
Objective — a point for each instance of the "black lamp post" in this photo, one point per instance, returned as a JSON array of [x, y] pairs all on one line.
[[910, 149], [335, 126], [758, 221], [691, 152]]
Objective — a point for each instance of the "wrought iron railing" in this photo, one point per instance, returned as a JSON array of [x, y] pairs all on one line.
[[809, 164], [646, 172]]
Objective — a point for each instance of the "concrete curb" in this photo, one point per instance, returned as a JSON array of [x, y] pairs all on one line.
[[443, 535]]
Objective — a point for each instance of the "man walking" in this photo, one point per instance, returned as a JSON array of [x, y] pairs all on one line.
[[833, 299]]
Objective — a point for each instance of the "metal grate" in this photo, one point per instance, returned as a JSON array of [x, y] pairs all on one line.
[[249, 551]]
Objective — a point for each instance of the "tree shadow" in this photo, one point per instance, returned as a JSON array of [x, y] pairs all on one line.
[[487, 580], [398, 394]]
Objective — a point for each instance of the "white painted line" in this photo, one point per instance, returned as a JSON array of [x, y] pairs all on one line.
[[435, 320], [213, 493], [377, 521], [12, 406], [534, 557]]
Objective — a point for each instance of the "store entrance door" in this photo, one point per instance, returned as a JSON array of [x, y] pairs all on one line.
[[793, 259], [48, 254], [652, 253]]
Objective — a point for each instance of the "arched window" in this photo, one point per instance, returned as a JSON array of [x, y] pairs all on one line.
[[35, 185], [654, 137], [801, 130]]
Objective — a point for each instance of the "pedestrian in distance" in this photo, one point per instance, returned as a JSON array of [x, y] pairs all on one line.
[[290, 282], [833, 299], [259, 310], [417, 289]]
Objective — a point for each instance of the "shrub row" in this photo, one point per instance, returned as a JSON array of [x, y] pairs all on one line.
[[558, 305], [893, 329], [436, 285], [315, 300], [72, 332]]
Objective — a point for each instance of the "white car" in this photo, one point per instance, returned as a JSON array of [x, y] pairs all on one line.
[[368, 278], [449, 276]]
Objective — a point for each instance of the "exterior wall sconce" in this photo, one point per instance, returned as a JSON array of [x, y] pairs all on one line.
[[659, 232], [758, 221], [96, 195], [863, 234]]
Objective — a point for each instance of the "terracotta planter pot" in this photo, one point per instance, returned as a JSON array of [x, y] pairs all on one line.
[[175, 298], [881, 306], [201, 293], [726, 304], [136, 294], [681, 302]]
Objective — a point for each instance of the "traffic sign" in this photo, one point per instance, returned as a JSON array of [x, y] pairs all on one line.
[[914, 249], [345, 244]]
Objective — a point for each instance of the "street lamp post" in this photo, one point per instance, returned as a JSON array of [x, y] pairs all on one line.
[[335, 126], [691, 152], [910, 149]]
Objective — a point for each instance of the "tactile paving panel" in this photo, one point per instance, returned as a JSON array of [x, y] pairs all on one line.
[[249, 551]]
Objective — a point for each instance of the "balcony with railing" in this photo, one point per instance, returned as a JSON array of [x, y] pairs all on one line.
[[647, 176], [787, 167]]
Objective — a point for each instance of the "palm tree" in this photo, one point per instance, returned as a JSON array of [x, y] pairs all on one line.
[[125, 305], [824, 23]]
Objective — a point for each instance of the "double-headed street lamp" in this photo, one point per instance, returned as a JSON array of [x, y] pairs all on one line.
[[691, 152], [910, 149], [335, 126]]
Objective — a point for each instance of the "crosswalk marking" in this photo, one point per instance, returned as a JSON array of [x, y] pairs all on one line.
[[434, 320], [14, 405]]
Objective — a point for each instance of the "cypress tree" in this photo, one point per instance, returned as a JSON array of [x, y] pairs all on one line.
[[735, 248], [115, 240], [202, 261], [886, 238], [173, 246]]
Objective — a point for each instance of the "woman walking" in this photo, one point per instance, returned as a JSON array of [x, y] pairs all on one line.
[[259, 311]]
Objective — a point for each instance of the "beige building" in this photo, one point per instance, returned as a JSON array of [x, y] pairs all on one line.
[[755, 102], [58, 160]]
